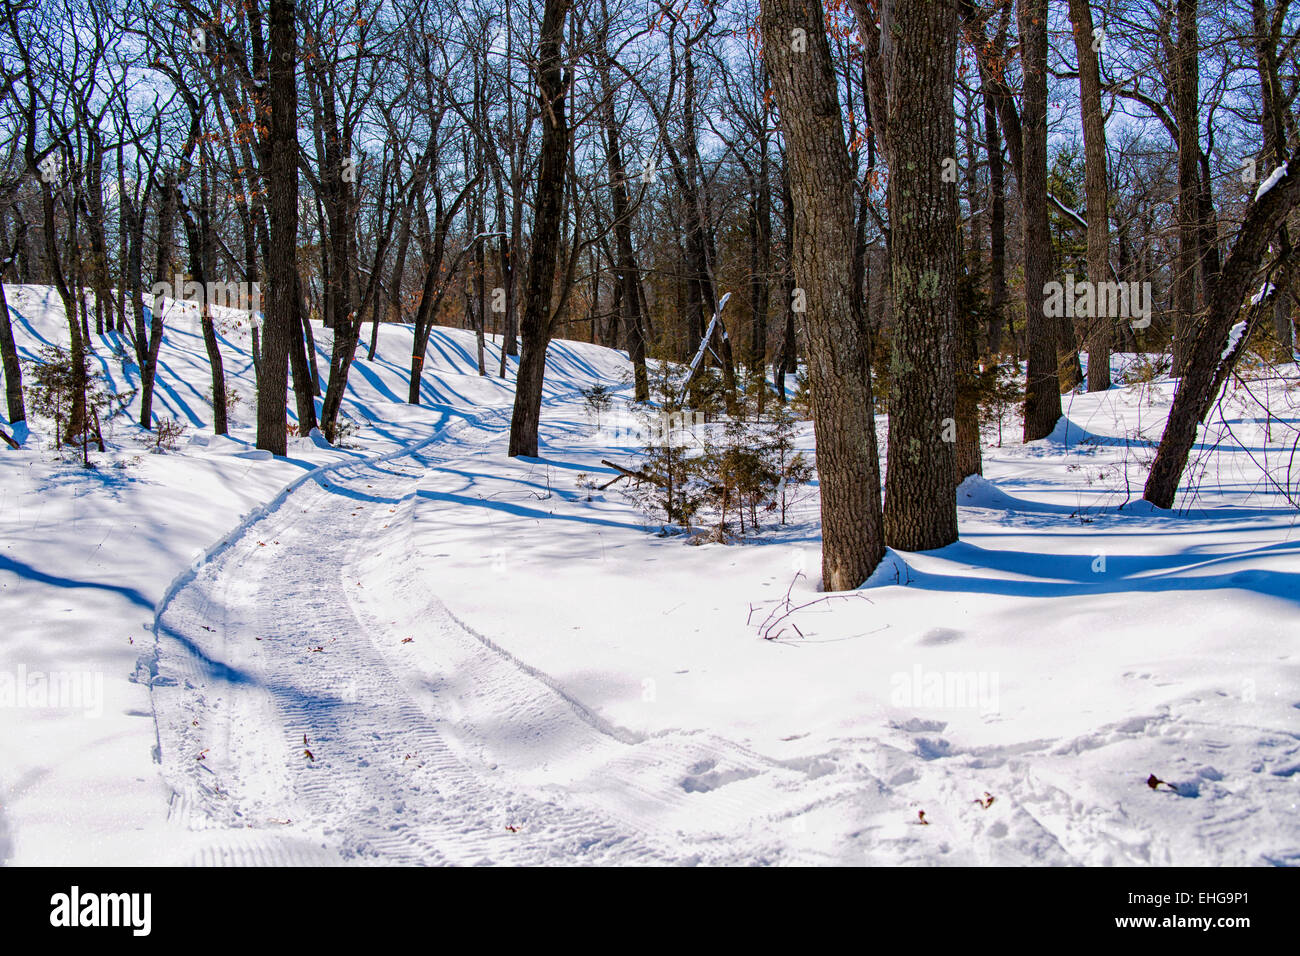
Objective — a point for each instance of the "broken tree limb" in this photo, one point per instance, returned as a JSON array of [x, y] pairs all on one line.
[[638, 475], [9, 441], [704, 344], [1076, 220]]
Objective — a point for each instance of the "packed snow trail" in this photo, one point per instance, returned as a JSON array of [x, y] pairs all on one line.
[[316, 703], [288, 705]]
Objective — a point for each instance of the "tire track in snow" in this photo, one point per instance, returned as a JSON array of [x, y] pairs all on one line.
[[692, 790], [328, 739], [375, 780]]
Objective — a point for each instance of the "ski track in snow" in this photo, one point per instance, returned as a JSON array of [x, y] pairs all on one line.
[[317, 704]]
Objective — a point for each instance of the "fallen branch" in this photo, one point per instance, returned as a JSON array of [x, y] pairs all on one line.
[[9, 441], [774, 625], [638, 475]]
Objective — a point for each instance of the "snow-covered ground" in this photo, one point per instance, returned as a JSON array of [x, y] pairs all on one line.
[[420, 650]]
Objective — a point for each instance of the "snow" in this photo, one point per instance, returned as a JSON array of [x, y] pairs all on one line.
[[1234, 336], [419, 650], [1273, 178], [1264, 292]]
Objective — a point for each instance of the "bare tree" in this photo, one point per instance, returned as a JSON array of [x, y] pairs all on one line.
[[536, 322]]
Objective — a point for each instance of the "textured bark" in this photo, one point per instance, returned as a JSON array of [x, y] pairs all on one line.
[[787, 363], [997, 228], [839, 354], [1098, 337], [535, 323], [282, 187], [304, 382], [761, 265], [436, 281], [1205, 370], [629, 274], [1186, 107], [12, 367], [921, 478], [1042, 387], [1267, 35]]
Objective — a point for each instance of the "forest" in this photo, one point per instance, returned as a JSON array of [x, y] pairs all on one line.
[[958, 325]]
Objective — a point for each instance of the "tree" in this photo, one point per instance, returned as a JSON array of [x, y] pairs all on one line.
[[282, 188], [536, 323], [1042, 387], [1186, 90], [1209, 359], [1087, 43], [839, 348], [921, 481]]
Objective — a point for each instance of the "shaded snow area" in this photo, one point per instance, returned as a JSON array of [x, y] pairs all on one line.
[[418, 650]]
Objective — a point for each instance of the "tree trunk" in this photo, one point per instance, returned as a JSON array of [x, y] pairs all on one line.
[[1206, 366], [1273, 120], [629, 275], [1042, 386], [13, 369], [1098, 337], [1186, 91], [920, 478], [535, 325], [282, 186], [997, 228], [839, 348], [148, 348]]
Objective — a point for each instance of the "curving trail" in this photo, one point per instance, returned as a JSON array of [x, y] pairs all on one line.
[[296, 726], [316, 703]]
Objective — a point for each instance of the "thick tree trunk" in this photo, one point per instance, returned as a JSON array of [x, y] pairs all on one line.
[[787, 362], [1098, 337], [839, 348], [535, 324], [1042, 387], [629, 275], [921, 478], [762, 267], [282, 187], [1186, 91]]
